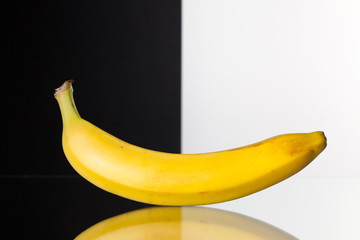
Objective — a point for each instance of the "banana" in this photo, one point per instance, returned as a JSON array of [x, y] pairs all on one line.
[[182, 223], [172, 179]]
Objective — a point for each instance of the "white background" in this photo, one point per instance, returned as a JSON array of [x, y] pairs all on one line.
[[259, 68]]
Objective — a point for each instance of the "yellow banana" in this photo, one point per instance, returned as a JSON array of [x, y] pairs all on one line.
[[179, 179], [182, 223]]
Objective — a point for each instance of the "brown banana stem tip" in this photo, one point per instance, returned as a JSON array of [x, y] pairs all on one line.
[[65, 86]]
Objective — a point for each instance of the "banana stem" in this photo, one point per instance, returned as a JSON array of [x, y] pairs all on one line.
[[64, 97]]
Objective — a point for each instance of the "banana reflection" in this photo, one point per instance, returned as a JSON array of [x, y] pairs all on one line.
[[182, 223]]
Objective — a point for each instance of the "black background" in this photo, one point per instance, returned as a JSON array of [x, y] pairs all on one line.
[[125, 59]]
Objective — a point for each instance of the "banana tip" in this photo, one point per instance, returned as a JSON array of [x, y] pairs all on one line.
[[321, 133], [322, 140], [64, 87]]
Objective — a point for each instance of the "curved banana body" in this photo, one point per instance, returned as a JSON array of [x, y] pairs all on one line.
[[179, 179], [182, 223]]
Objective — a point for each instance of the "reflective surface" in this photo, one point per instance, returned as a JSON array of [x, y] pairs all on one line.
[[298, 208], [171, 223], [308, 207]]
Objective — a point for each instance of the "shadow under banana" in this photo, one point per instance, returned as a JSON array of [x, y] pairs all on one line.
[[182, 223]]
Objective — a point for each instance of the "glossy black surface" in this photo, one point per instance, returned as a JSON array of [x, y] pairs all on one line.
[[58, 207]]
